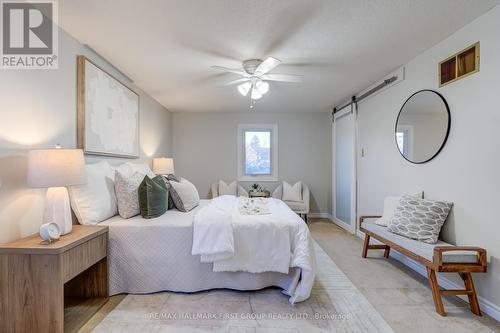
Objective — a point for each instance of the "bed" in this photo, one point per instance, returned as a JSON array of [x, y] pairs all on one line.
[[147, 256]]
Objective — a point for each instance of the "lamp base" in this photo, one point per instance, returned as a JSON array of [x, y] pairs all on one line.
[[58, 209]]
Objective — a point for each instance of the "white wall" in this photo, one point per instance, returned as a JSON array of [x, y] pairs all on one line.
[[467, 171], [38, 109], [205, 149]]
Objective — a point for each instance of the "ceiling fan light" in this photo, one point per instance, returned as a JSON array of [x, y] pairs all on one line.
[[256, 94], [244, 88], [262, 87]]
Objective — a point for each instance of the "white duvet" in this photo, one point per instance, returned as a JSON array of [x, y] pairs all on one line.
[[273, 242]]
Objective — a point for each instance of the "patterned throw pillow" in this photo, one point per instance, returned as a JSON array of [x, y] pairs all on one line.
[[127, 195], [173, 178], [390, 205], [171, 204], [419, 219]]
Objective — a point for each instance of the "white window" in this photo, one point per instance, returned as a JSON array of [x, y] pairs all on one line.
[[258, 152], [404, 140]]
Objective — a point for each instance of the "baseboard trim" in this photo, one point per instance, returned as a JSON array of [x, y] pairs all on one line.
[[487, 307], [320, 216], [343, 225]]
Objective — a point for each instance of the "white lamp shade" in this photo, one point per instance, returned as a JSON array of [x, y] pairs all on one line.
[[244, 88], [262, 87], [256, 94], [163, 166], [56, 167]]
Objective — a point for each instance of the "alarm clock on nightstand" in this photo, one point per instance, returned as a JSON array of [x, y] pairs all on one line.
[[49, 232]]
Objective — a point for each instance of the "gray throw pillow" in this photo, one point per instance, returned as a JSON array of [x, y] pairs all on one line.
[[419, 219], [126, 193], [184, 194]]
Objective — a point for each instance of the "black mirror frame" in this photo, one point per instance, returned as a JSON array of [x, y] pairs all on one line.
[[447, 129]]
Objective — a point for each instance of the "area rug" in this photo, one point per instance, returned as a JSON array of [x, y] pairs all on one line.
[[335, 305]]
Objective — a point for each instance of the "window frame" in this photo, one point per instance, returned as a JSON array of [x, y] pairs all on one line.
[[242, 129]]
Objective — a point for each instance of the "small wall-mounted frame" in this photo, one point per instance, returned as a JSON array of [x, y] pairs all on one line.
[[459, 65]]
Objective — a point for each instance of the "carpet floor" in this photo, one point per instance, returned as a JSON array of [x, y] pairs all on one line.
[[351, 294], [335, 305]]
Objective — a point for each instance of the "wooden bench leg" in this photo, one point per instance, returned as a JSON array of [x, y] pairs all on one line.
[[436, 295], [365, 246], [387, 252], [469, 286]]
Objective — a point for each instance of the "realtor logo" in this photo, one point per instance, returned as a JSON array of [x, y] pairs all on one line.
[[29, 34]]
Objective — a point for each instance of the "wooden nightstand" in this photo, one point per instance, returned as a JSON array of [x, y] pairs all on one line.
[[53, 287]]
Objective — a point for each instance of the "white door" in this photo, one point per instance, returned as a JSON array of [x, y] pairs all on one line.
[[344, 168]]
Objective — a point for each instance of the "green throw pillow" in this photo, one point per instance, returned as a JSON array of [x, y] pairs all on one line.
[[153, 197]]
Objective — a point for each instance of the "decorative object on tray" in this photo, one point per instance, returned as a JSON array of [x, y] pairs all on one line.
[[257, 191], [253, 206], [49, 232], [55, 169], [108, 113]]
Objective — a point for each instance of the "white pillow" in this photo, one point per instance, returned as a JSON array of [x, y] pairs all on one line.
[[95, 201], [127, 195], [390, 205], [225, 189], [128, 169], [184, 194], [242, 192], [292, 193]]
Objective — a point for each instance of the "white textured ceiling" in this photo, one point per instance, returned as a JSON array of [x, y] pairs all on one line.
[[340, 46]]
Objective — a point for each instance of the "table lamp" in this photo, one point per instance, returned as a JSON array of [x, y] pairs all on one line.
[[163, 166], [54, 169]]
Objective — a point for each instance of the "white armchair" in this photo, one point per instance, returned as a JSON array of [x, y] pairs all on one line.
[[240, 191], [299, 207]]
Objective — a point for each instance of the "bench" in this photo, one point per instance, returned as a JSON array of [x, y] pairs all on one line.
[[439, 257]]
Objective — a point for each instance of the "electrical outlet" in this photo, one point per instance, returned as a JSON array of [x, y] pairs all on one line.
[[362, 152]]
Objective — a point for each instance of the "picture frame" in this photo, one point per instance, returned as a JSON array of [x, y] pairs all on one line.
[[107, 113]]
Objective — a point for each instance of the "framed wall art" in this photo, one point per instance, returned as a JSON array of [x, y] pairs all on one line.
[[107, 113]]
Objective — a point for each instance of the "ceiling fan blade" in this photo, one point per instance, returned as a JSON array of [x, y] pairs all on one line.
[[230, 83], [267, 65], [283, 77], [235, 71]]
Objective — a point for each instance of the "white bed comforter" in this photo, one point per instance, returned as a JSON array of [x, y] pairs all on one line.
[[255, 243]]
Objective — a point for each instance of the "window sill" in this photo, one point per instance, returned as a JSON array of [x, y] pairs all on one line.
[[258, 178]]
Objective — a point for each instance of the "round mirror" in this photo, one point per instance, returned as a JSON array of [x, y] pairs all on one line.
[[422, 126]]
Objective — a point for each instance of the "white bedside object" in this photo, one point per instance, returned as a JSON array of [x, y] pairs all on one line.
[[49, 232], [55, 169], [163, 166]]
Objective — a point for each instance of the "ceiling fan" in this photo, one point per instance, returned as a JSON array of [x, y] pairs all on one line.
[[255, 74]]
